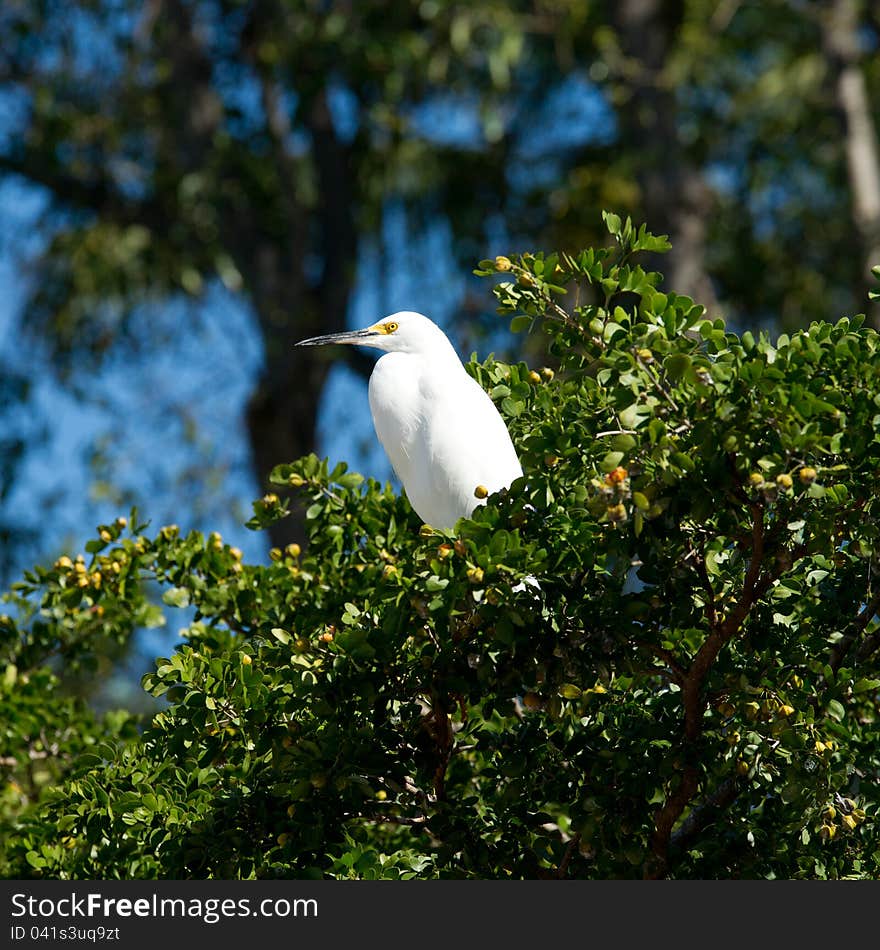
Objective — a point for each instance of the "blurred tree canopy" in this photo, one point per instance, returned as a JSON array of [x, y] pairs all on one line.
[[689, 691], [257, 144]]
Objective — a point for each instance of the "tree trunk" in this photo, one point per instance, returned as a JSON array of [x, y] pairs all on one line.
[[844, 55], [676, 199], [282, 413], [289, 303]]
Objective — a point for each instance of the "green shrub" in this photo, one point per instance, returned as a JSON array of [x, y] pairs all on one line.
[[692, 690]]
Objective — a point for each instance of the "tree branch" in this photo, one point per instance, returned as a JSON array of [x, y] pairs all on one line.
[[868, 645], [703, 815]]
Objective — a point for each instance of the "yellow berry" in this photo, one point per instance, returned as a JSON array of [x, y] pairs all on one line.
[[475, 575], [444, 551], [807, 474], [481, 491], [64, 563], [534, 377], [756, 479], [275, 554], [502, 263], [547, 373], [645, 355], [381, 795], [849, 821], [270, 499], [742, 767], [246, 659], [293, 550], [236, 554], [784, 481], [616, 512], [785, 710], [121, 521], [105, 536], [827, 832]]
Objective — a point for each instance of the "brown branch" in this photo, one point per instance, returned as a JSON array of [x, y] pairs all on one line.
[[703, 815], [566, 858], [666, 818], [868, 645], [439, 728], [676, 670], [755, 585], [699, 560], [726, 630]]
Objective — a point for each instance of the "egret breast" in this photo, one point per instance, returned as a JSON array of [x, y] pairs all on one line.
[[442, 433]]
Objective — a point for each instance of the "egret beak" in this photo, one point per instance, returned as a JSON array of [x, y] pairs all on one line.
[[349, 336]]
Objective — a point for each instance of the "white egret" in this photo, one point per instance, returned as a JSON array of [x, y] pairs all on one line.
[[445, 439]]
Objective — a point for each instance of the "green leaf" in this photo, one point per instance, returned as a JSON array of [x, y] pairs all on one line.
[[177, 597], [611, 461], [676, 365], [866, 685], [612, 222]]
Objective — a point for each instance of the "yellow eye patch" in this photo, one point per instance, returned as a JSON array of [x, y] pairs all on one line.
[[385, 328]]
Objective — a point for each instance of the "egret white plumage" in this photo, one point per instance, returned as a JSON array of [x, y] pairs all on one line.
[[440, 429]]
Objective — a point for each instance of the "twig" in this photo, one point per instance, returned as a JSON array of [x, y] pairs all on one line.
[[395, 819], [700, 564], [677, 671], [868, 645], [566, 858], [704, 814]]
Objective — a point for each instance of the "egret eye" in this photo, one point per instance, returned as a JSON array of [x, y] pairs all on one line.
[[391, 327]]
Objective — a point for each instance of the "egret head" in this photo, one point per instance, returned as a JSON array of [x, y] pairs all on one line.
[[402, 332]]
